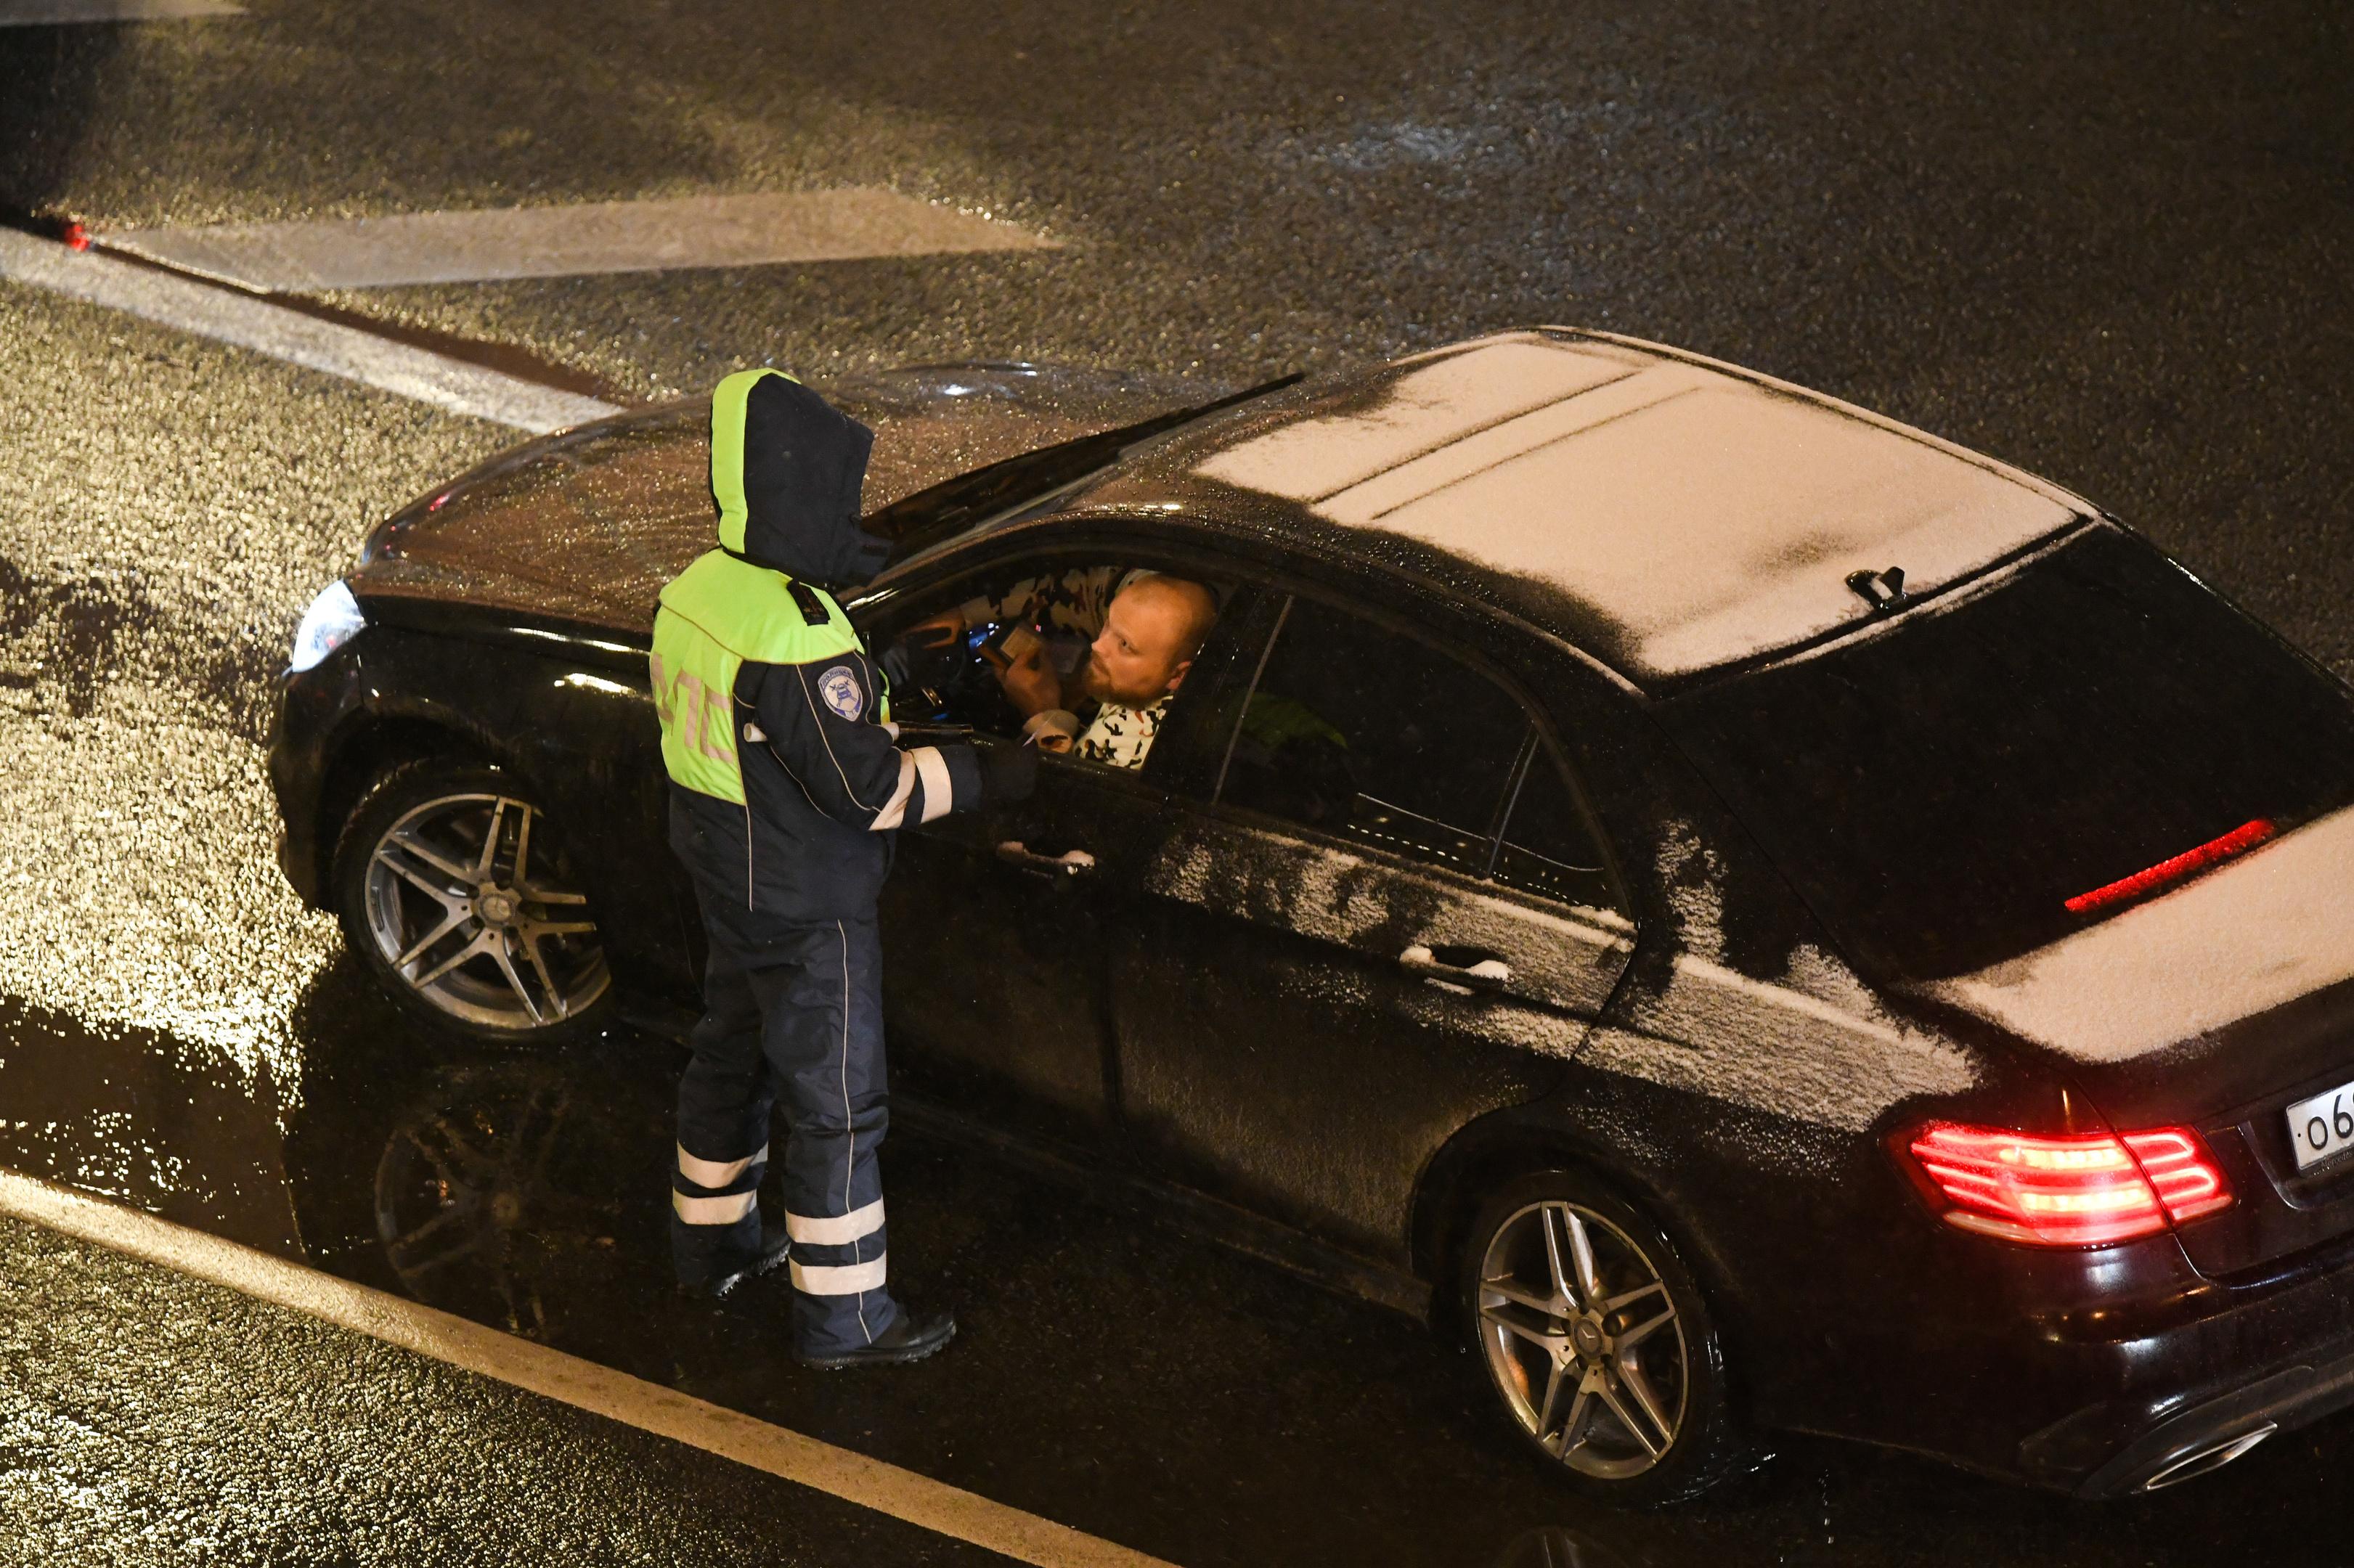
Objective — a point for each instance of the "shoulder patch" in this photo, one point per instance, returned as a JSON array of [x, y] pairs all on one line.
[[840, 688]]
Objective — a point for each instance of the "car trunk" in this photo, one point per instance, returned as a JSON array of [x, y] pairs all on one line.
[[2235, 1086], [2095, 807]]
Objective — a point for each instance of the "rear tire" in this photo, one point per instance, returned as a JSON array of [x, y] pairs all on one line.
[[1597, 1345], [452, 888]]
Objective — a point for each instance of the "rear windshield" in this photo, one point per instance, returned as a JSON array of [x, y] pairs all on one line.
[[1941, 791]]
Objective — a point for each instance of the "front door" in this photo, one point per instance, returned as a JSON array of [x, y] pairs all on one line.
[[1389, 919], [997, 924], [992, 930]]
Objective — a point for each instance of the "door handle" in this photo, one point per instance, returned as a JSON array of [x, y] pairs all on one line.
[[1476, 971], [1070, 862]]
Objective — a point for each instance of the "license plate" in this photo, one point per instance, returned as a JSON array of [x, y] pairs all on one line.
[[2322, 1127]]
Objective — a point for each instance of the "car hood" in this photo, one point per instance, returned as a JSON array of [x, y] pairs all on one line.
[[585, 526]]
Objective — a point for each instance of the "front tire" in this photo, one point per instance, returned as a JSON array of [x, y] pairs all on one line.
[[451, 887], [1597, 1345]]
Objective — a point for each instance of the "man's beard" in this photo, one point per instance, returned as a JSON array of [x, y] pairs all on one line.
[[1096, 681]]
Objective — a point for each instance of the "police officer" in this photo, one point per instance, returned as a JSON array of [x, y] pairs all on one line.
[[788, 783]]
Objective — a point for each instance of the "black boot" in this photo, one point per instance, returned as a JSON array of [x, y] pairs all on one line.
[[910, 1338], [728, 1274]]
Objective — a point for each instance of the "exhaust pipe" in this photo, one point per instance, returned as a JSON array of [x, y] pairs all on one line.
[[2203, 1461]]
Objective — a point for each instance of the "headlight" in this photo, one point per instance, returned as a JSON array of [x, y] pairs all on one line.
[[333, 619]]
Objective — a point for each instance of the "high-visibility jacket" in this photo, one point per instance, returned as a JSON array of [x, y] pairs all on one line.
[[788, 780]]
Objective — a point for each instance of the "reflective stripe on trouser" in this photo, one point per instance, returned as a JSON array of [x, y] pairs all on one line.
[[714, 1210], [793, 1017]]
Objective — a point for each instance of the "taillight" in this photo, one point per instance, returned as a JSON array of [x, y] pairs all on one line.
[[2184, 1173], [2075, 1190]]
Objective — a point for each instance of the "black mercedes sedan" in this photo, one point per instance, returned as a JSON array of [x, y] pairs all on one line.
[[1760, 919]]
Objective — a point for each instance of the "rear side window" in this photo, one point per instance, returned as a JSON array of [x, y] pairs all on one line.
[[1368, 735], [1545, 847]]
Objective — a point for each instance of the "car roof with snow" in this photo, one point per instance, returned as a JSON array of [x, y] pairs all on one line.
[[1670, 515]]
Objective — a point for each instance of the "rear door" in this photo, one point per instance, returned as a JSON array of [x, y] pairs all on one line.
[[1382, 915]]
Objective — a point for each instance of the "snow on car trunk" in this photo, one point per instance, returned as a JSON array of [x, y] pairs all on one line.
[[2267, 928]]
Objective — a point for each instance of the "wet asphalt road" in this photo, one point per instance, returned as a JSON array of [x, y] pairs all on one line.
[[2110, 247], [150, 1419]]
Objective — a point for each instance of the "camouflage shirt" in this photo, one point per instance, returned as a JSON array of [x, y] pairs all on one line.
[[1120, 734]]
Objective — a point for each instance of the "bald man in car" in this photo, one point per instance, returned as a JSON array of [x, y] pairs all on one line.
[[1154, 627]]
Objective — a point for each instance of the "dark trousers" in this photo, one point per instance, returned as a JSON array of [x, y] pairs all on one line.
[[792, 1013]]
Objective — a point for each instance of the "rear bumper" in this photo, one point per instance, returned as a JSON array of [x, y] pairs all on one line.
[[2180, 1447], [2276, 1359]]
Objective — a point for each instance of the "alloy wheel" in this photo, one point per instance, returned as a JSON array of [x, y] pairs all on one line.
[[1582, 1340], [468, 912]]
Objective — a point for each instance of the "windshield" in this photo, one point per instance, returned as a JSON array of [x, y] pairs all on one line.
[[1943, 793], [956, 507]]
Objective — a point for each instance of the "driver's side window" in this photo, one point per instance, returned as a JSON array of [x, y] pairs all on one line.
[[1081, 658]]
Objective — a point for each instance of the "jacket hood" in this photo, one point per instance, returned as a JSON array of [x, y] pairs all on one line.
[[787, 469]]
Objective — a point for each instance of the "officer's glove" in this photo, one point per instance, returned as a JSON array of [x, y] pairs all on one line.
[[1008, 773]]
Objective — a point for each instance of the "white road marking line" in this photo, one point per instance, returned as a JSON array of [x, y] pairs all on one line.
[[290, 335], [757, 228], [585, 1385], [59, 13]]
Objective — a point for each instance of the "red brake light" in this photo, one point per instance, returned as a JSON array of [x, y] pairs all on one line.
[[2239, 841], [2184, 1173], [2075, 1190]]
